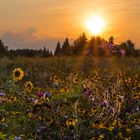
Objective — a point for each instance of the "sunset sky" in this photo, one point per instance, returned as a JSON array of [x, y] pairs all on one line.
[[38, 23]]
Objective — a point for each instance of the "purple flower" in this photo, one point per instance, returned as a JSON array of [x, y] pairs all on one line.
[[86, 93], [40, 94], [104, 103], [18, 138], [65, 116], [55, 110], [47, 94], [2, 94]]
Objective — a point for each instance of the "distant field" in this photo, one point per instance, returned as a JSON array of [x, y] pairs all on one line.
[[85, 98]]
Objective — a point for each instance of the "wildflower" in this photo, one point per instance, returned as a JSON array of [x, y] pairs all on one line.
[[91, 98], [40, 118], [104, 103], [47, 94], [30, 115], [89, 113], [128, 131], [110, 128], [2, 119], [40, 94], [86, 93], [11, 99], [29, 86], [103, 45], [122, 52], [18, 138], [18, 74], [40, 129], [103, 126], [35, 101], [96, 124], [49, 120], [93, 110], [120, 99], [71, 122], [2, 94], [101, 137], [81, 110], [120, 136]]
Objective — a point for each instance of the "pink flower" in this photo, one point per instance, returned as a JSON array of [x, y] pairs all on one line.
[[121, 98], [110, 45], [122, 52], [103, 45], [35, 101]]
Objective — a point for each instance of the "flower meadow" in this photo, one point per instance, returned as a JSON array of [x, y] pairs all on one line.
[[70, 98]]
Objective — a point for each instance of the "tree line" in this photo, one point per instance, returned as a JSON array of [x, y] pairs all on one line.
[[4, 51], [95, 46]]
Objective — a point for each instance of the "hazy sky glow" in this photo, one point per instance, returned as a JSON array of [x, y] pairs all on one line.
[[35, 23]]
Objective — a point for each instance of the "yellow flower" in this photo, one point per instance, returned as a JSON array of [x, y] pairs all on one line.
[[120, 136], [111, 128], [2, 119], [50, 120], [29, 86], [18, 74], [81, 110], [128, 131], [11, 99], [114, 122], [100, 137], [104, 126], [71, 122], [74, 121], [67, 122], [30, 115], [93, 110], [96, 124]]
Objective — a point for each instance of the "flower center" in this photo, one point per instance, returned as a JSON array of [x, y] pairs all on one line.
[[17, 73]]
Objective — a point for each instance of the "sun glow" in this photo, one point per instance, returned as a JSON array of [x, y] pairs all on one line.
[[95, 25]]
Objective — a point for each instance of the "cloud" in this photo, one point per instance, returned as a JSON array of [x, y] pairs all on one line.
[[27, 39]]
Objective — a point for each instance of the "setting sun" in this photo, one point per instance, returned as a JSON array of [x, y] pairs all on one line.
[[95, 25]]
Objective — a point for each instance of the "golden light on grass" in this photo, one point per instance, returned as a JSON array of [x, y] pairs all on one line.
[[95, 25]]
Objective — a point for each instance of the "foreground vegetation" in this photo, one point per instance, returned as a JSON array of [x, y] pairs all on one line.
[[70, 98]]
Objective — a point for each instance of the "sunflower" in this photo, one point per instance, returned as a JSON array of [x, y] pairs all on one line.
[[71, 122], [18, 74], [29, 86], [81, 111]]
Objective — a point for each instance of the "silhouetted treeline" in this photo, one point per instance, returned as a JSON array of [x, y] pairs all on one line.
[[30, 52], [24, 52], [95, 46]]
